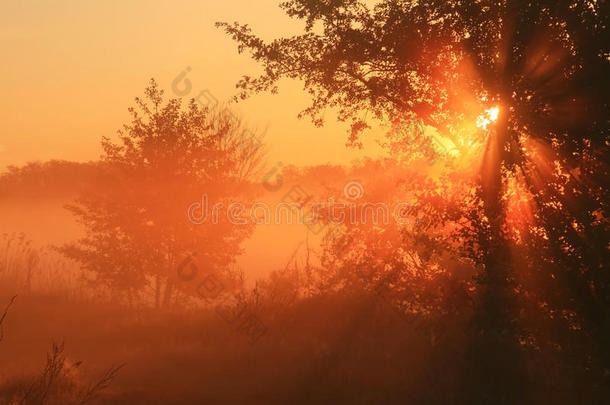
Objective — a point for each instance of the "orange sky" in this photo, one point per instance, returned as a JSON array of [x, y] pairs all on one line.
[[71, 68]]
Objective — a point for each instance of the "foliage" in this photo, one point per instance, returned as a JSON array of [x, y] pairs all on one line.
[[535, 214], [167, 157]]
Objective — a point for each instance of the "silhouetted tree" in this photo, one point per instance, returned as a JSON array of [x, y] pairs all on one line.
[[544, 64], [167, 159]]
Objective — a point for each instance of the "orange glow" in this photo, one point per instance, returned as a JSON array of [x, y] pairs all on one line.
[[86, 62], [400, 235]]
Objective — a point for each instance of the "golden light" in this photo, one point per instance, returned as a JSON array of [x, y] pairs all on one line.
[[491, 115]]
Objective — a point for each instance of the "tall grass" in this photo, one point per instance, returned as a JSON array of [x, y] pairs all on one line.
[[27, 268]]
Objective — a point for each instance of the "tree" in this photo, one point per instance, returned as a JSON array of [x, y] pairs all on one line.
[[166, 159], [543, 64]]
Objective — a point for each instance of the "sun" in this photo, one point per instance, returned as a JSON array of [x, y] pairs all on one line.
[[491, 115]]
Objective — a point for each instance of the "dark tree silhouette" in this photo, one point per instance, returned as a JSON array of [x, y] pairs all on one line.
[[544, 64]]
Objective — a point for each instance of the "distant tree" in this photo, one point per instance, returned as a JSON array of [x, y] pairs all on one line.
[[544, 64], [54, 178], [166, 159]]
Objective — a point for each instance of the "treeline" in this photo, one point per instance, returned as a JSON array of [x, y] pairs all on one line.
[[54, 178]]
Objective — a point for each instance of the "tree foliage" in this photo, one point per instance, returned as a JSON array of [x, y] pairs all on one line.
[[545, 65], [167, 158]]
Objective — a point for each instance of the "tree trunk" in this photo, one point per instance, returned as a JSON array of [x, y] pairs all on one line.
[[157, 291], [496, 367], [496, 357], [496, 253], [167, 295]]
